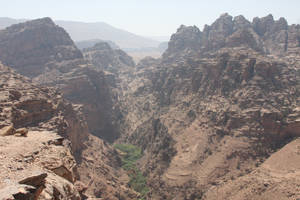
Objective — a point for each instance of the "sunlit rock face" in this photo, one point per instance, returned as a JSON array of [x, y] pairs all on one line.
[[28, 46], [103, 57], [44, 52], [217, 105], [51, 127]]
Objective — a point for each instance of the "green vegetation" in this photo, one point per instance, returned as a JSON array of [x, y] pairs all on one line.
[[137, 180], [130, 156]]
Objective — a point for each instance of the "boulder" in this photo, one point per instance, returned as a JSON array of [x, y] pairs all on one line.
[[17, 192], [7, 130], [21, 132]]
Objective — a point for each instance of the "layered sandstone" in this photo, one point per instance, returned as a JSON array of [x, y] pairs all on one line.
[[43, 51], [214, 108], [46, 149], [105, 58], [40, 163]]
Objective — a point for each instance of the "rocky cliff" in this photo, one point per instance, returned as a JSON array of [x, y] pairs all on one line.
[[264, 35], [36, 156], [46, 149], [213, 110], [43, 51], [104, 57], [28, 46]]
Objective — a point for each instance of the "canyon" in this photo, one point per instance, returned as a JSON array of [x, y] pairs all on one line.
[[217, 116]]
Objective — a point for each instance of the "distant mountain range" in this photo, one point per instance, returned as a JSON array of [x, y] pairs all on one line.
[[160, 38], [82, 31]]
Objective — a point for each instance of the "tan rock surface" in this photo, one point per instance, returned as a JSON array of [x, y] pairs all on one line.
[[56, 144], [227, 100], [43, 51]]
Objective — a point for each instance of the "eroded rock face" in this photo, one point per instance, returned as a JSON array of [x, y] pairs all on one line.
[[225, 103], [267, 180], [48, 160], [28, 46], [264, 34], [43, 51], [103, 57], [28, 162], [186, 37], [92, 90]]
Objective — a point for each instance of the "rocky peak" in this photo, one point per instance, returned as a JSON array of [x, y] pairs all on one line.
[[46, 53], [280, 24], [46, 21], [217, 32], [223, 24], [147, 61], [103, 57], [245, 37], [240, 22], [186, 37], [273, 33], [267, 25], [262, 25], [264, 35], [100, 46], [41, 42]]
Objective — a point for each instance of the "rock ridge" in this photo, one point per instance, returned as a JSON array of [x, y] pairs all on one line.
[[266, 35]]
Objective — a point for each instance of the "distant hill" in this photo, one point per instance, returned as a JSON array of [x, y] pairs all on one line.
[[90, 43], [81, 31], [160, 38], [5, 22]]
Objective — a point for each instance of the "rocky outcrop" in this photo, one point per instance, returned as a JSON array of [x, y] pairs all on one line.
[[186, 37], [274, 33], [92, 90], [55, 150], [90, 43], [28, 46], [274, 179], [245, 37], [43, 51], [225, 99], [30, 164], [157, 145], [265, 35], [104, 57]]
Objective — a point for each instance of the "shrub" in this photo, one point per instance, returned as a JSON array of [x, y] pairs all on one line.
[[138, 181]]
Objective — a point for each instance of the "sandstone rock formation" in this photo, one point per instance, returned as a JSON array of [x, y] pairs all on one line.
[[228, 98], [56, 151], [30, 165], [265, 35], [104, 57], [35, 43], [277, 178], [43, 51]]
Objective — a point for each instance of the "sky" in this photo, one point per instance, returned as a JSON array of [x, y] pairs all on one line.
[[149, 17]]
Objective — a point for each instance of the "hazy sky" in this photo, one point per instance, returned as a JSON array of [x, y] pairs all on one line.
[[149, 17]]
